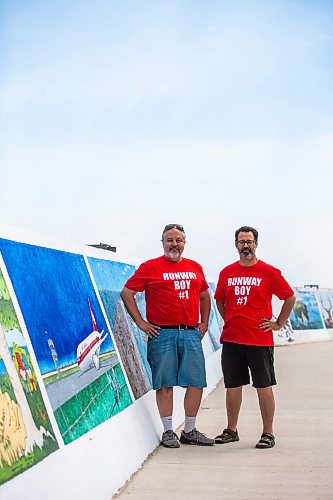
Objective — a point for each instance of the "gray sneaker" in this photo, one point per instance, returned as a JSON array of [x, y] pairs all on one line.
[[170, 439], [196, 437]]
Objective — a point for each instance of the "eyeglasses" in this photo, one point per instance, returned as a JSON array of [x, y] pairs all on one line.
[[245, 242], [173, 226]]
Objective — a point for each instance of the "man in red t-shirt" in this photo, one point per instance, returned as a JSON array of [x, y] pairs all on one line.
[[244, 299], [176, 292]]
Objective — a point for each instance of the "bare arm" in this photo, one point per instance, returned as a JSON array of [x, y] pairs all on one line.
[[286, 309], [220, 307], [204, 312], [130, 303]]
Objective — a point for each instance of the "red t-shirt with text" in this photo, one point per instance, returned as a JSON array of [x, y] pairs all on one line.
[[172, 290], [247, 296]]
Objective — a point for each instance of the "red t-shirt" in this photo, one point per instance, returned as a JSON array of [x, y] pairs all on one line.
[[247, 296], [172, 290]]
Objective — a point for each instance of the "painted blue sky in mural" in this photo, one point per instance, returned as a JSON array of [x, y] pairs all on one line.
[[110, 278], [109, 274], [53, 289]]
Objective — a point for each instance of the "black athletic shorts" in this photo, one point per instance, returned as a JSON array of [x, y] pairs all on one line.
[[239, 359]]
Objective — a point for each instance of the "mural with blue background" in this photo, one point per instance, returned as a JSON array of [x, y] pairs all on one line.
[[60, 308], [305, 314], [110, 278]]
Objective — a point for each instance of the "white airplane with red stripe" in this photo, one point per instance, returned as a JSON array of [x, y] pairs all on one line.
[[88, 350]]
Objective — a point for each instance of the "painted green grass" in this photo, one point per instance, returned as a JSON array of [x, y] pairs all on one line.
[[103, 398], [66, 373], [40, 417], [38, 410], [57, 376], [35, 402], [6, 386], [25, 462]]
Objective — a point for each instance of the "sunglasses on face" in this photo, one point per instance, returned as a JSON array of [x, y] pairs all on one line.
[[173, 226]]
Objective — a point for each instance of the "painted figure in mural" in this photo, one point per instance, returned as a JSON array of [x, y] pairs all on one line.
[[243, 298], [176, 295], [328, 312], [301, 313]]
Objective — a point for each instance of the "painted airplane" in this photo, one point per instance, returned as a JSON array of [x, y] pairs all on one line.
[[88, 350]]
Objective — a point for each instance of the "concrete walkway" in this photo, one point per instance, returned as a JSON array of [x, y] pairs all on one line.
[[300, 466]]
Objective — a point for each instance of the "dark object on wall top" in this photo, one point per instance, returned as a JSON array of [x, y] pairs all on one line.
[[104, 246]]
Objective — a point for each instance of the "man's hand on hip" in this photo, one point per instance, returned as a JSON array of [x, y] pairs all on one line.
[[267, 325], [149, 329], [203, 328]]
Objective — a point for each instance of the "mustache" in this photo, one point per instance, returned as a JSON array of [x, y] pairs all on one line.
[[246, 251]]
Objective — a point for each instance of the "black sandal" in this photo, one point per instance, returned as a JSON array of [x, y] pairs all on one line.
[[267, 440], [227, 436]]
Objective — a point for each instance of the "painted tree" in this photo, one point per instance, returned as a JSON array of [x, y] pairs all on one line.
[[329, 311], [8, 321]]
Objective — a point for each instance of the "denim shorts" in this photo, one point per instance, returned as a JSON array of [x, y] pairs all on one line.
[[176, 358]]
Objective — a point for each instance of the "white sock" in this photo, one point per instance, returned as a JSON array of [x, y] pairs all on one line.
[[189, 424], [167, 423]]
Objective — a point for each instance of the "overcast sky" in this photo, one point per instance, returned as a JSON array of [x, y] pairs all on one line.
[[118, 117]]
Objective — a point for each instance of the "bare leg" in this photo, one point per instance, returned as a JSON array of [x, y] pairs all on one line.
[[164, 401], [267, 408], [192, 401], [233, 404]]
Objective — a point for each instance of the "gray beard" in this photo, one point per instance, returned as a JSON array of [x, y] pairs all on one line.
[[172, 253], [248, 256]]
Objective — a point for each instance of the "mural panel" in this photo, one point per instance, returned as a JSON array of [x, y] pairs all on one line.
[[305, 314], [215, 321], [110, 278], [285, 333], [75, 353], [325, 299], [26, 434]]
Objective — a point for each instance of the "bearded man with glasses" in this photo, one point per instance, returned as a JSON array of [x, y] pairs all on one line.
[[244, 299], [176, 294]]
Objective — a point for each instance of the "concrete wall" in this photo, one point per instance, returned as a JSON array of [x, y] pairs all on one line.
[[311, 319], [71, 430], [77, 413]]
